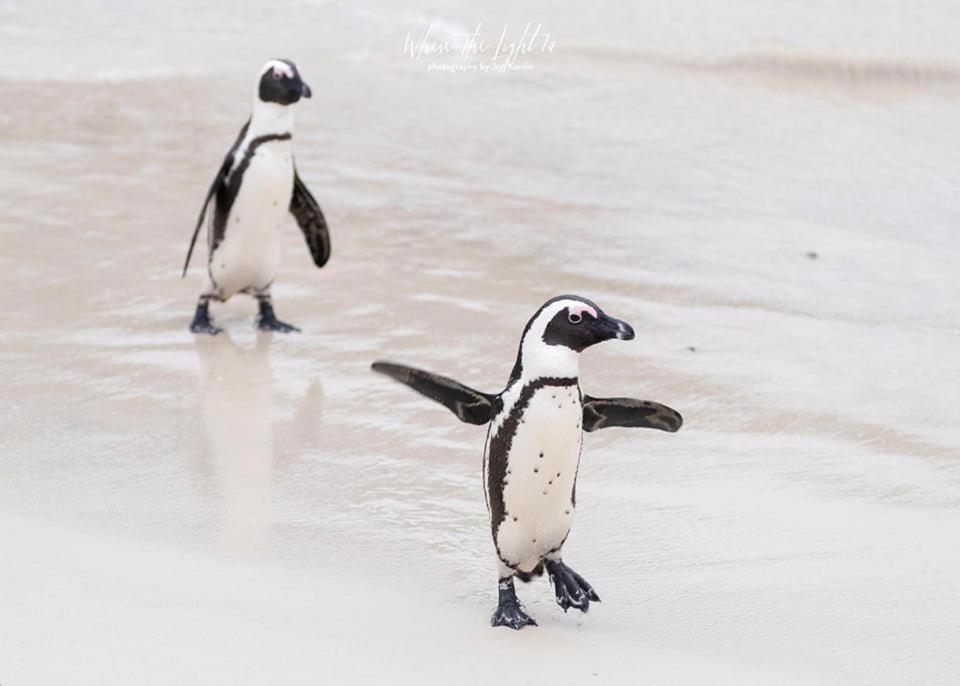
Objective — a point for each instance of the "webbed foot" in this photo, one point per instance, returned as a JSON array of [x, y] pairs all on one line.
[[275, 325], [509, 611], [571, 589], [267, 319], [201, 319]]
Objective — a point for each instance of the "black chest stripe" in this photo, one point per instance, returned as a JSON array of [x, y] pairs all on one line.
[[227, 191], [500, 448]]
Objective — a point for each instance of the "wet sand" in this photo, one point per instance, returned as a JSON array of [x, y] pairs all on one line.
[[254, 508]]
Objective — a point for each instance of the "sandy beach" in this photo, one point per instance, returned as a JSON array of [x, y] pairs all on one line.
[[768, 197]]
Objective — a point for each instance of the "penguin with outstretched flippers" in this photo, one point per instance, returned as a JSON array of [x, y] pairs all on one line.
[[533, 444]]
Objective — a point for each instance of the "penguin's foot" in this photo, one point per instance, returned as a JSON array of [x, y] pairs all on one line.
[[570, 588], [201, 320], [274, 324], [509, 614], [509, 611], [267, 320], [207, 328]]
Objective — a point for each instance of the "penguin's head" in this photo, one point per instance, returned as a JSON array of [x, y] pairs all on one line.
[[280, 83], [560, 330]]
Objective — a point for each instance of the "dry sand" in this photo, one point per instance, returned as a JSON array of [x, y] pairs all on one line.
[[252, 509]]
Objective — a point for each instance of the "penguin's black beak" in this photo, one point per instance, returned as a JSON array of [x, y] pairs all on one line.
[[606, 327], [305, 90]]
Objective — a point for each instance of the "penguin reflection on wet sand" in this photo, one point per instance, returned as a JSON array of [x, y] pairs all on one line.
[[256, 186], [533, 445], [236, 408]]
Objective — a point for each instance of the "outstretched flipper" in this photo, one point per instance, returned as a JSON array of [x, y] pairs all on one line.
[[600, 413], [306, 210], [469, 405]]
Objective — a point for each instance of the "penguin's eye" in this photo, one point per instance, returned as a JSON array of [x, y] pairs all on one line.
[[276, 76], [575, 317]]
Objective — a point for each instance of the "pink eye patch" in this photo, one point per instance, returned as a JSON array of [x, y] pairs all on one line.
[[580, 308], [282, 69]]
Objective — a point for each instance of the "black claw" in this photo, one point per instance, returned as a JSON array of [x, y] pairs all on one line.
[[560, 592], [570, 589], [587, 588]]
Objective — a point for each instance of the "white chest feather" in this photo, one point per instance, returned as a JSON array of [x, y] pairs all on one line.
[[541, 472], [268, 179], [248, 255]]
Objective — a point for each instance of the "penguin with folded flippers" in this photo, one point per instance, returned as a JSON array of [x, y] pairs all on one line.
[[257, 185]]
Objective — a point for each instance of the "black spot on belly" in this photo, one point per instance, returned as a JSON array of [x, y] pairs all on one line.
[[536, 469], [501, 442]]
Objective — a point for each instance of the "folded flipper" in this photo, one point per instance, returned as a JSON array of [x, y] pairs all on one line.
[[217, 186], [218, 181], [469, 405], [600, 413], [306, 210]]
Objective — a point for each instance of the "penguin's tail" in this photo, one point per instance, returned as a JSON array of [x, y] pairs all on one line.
[[527, 577]]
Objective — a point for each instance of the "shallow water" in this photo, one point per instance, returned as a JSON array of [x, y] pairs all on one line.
[[680, 169]]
